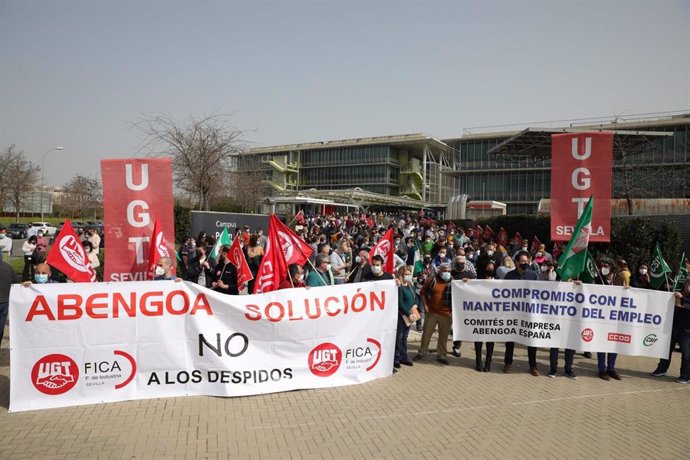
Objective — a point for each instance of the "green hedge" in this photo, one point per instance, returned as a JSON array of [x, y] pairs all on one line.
[[631, 238]]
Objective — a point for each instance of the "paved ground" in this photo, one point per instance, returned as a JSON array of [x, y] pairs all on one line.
[[427, 411]]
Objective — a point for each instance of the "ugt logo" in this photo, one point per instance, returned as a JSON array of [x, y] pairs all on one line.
[[325, 359], [54, 374]]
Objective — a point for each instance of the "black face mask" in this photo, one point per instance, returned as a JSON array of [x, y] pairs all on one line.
[[490, 273], [524, 266], [459, 267]]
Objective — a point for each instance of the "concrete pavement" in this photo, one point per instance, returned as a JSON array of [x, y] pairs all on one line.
[[427, 411]]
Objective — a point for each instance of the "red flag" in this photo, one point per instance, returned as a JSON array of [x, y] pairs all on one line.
[[502, 237], [517, 240], [488, 233], [295, 249], [68, 256], [273, 268], [300, 217], [535, 244], [480, 231], [237, 258], [385, 248], [158, 248], [370, 222]]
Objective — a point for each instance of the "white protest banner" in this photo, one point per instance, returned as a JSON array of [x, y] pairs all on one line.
[[99, 342], [584, 317]]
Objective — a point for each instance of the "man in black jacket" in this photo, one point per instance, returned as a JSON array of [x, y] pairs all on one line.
[[225, 274]]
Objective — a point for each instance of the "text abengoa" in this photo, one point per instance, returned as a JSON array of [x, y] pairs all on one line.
[[137, 340], [103, 305], [564, 315]]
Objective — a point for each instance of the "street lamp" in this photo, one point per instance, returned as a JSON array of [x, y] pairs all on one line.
[[43, 163]]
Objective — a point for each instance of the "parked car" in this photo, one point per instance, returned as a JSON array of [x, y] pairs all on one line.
[[47, 228], [17, 231]]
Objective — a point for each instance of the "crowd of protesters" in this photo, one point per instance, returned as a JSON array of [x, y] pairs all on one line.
[[428, 257]]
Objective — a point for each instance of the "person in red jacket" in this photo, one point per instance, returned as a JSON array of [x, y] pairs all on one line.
[[295, 278]]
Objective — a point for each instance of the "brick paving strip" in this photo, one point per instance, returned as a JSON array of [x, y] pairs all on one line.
[[425, 411]]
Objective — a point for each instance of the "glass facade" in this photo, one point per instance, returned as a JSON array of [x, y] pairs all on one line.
[[659, 170]]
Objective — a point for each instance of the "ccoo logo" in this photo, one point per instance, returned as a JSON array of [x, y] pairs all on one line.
[[325, 359], [54, 374]]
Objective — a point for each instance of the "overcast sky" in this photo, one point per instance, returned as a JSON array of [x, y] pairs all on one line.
[[77, 73]]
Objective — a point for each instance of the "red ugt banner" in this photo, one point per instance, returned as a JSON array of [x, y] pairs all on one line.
[[134, 191], [581, 167]]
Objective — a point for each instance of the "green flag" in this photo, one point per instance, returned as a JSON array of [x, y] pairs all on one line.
[[658, 268], [681, 276], [223, 240], [572, 262], [418, 264], [591, 272]]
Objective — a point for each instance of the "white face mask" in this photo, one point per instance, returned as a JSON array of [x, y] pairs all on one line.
[[358, 259], [552, 275], [299, 277], [328, 267], [544, 268], [605, 271], [376, 269], [643, 271], [489, 252], [408, 279], [160, 271]]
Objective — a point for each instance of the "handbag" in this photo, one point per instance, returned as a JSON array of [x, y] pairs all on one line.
[[413, 317]]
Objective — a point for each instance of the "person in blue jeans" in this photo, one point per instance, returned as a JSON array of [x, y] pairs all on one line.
[[407, 303]]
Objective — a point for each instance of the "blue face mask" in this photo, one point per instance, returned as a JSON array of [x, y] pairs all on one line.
[[445, 276], [41, 278], [2, 235]]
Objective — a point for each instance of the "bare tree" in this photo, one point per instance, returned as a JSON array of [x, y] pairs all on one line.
[[201, 150], [82, 196], [19, 176]]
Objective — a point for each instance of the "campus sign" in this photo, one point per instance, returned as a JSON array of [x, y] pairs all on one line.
[[548, 314], [90, 343], [214, 222], [581, 167]]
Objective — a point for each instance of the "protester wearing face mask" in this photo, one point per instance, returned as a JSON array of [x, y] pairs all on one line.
[[42, 275], [407, 306], [95, 239], [322, 276], [163, 271], [426, 274], [437, 296], [606, 362], [199, 270], [295, 278], [521, 272], [488, 254], [5, 244], [362, 268], [29, 250], [547, 272], [523, 248], [441, 258], [489, 274], [641, 278], [90, 255], [460, 271], [377, 273], [225, 274]]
